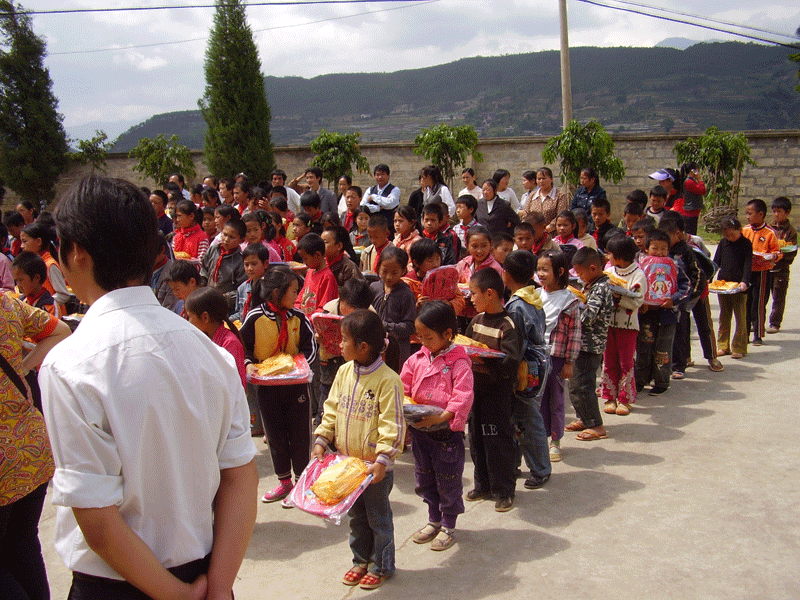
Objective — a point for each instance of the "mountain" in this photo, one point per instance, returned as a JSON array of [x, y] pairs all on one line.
[[679, 43], [735, 86]]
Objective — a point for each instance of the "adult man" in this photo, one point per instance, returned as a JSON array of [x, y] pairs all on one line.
[[292, 197], [159, 201], [154, 467], [178, 179], [328, 201], [383, 197]]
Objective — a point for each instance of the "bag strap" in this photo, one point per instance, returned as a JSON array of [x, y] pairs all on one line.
[[13, 376]]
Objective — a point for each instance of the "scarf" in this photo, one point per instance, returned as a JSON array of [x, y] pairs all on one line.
[[330, 262], [378, 256], [222, 254], [182, 235], [246, 306], [538, 247], [348, 221], [283, 331], [430, 236], [560, 240]]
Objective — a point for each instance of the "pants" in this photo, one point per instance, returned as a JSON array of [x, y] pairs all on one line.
[[372, 528], [780, 286], [618, 367], [314, 391], [552, 404], [22, 571], [286, 412], [438, 466], [491, 436], [531, 436], [733, 305], [654, 350], [757, 298], [690, 224], [681, 348], [582, 389]]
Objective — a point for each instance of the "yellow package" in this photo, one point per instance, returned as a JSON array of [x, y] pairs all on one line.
[[275, 365], [340, 480], [463, 340]]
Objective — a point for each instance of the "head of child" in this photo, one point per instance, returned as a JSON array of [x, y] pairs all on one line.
[[37, 238], [222, 214], [30, 272], [731, 228], [255, 226], [337, 241], [207, 309], [658, 197], [208, 225], [537, 219], [486, 287], [503, 243], [479, 243], [639, 197], [432, 217], [425, 256], [582, 219], [633, 212], [278, 202], [392, 265], [352, 197], [588, 264], [354, 294], [601, 212], [330, 219], [566, 225], [378, 231], [755, 212], [310, 201], [301, 226], [466, 205], [362, 218], [404, 220], [14, 222], [186, 214], [781, 207], [183, 278], [674, 227], [277, 223], [232, 235], [278, 288], [242, 193], [518, 270], [639, 232], [312, 251], [256, 260], [658, 243], [525, 235], [210, 197], [363, 337], [622, 251], [552, 268], [436, 326]]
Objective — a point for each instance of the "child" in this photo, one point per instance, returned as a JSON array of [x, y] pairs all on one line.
[[466, 205], [337, 255], [301, 226], [378, 231], [541, 239], [524, 235], [30, 273], [425, 257], [189, 237], [491, 434], [582, 218], [39, 239], [503, 244], [766, 243], [656, 210], [433, 218], [183, 279], [352, 200], [479, 245], [439, 374], [563, 333], [283, 243], [255, 258], [15, 222], [405, 226], [619, 387], [273, 325], [208, 225], [632, 214], [394, 301], [595, 318], [669, 284], [159, 282], [311, 202], [359, 235], [639, 232], [207, 310], [222, 214], [320, 285], [525, 308], [734, 256], [330, 219], [222, 265], [363, 418], [259, 230], [781, 207], [566, 227], [601, 215]]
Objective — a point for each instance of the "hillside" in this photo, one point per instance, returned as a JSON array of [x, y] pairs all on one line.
[[731, 85]]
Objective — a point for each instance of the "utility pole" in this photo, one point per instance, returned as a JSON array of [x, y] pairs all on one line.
[[566, 79]]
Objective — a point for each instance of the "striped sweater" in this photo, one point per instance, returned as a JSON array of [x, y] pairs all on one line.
[[497, 331]]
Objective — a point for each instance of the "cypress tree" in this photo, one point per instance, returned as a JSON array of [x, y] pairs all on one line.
[[234, 104], [33, 144]]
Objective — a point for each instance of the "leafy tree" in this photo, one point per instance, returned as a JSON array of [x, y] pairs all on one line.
[[580, 146], [336, 152], [33, 145], [159, 158], [448, 147], [94, 151], [234, 104]]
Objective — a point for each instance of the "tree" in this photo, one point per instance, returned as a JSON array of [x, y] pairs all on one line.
[[234, 104], [336, 152], [448, 147], [159, 158], [580, 146], [93, 152], [796, 58], [33, 144]]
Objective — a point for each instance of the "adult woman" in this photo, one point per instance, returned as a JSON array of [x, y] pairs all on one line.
[[27, 463], [471, 185], [493, 212], [502, 178], [588, 191], [345, 181], [545, 199], [28, 211], [434, 188]]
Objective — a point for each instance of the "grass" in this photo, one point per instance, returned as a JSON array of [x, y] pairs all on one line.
[[711, 237]]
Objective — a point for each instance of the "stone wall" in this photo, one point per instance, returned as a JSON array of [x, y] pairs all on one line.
[[776, 152]]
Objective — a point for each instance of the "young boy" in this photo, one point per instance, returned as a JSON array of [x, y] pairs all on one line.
[[378, 231], [595, 320], [310, 201], [541, 239], [14, 222], [433, 221], [222, 214], [466, 205], [255, 258], [632, 214], [734, 256], [159, 282], [656, 210], [603, 228], [583, 224], [639, 231], [29, 273], [766, 252], [319, 286], [502, 244], [524, 234], [338, 261], [208, 225], [222, 266], [525, 308], [183, 279], [490, 430], [352, 200], [781, 207]]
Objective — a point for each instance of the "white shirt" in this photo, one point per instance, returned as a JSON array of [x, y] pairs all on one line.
[[293, 201], [377, 201], [145, 411], [447, 198], [476, 192], [511, 196]]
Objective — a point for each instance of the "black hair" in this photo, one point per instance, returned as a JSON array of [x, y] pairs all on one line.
[[212, 301], [759, 205], [469, 170], [534, 218], [383, 168], [31, 264], [279, 202], [622, 247], [567, 214], [396, 254], [657, 235], [499, 174], [529, 175], [227, 211], [379, 221], [172, 187], [591, 174], [163, 244], [520, 266], [3, 235], [182, 271], [146, 190], [316, 171], [179, 176], [488, 279], [279, 172], [672, 222], [277, 223], [43, 232], [478, 230], [210, 196], [469, 201], [347, 178], [311, 243], [46, 218], [278, 190], [258, 250], [492, 183], [310, 199], [161, 195], [207, 210], [730, 223], [587, 256], [782, 203], [546, 171], [227, 182], [500, 237], [638, 196], [408, 213], [524, 226], [342, 236], [559, 262], [238, 225], [434, 208], [366, 326], [14, 219], [262, 217], [213, 179], [305, 218], [602, 203], [197, 189], [332, 217], [439, 316], [659, 191], [30, 206], [359, 192], [188, 207], [647, 224], [633, 208], [423, 249], [611, 233], [356, 293], [580, 215], [434, 173], [274, 284]]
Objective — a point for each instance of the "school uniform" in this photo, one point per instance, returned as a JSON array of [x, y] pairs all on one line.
[[780, 273], [765, 242]]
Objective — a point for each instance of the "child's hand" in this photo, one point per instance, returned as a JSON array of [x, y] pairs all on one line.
[[743, 286], [644, 308], [318, 452], [250, 369], [566, 371], [667, 303], [434, 420], [422, 300], [378, 471]]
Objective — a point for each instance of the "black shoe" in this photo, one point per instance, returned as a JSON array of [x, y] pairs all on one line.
[[534, 482], [475, 495], [504, 504], [757, 341], [657, 391]]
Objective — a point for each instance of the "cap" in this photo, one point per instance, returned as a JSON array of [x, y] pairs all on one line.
[[661, 175]]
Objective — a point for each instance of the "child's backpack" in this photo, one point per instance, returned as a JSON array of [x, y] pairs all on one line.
[[535, 364]]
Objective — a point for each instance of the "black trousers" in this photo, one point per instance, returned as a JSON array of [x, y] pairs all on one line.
[[757, 298], [286, 412], [22, 571]]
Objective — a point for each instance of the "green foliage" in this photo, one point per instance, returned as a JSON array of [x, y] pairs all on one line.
[[33, 145], [722, 155], [161, 157], [234, 104], [93, 152], [448, 147], [336, 152], [796, 58], [580, 146]]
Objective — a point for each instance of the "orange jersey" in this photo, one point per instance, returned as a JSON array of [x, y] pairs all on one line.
[[765, 242]]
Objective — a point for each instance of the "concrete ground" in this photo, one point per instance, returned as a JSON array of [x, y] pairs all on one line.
[[694, 495]]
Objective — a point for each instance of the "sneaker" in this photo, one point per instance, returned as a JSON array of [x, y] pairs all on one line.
[[678, 375], [475, 495], [279, 493], [504, 504], [285, 503], [773, 329], [555, 451], [657, 391], [533, 482], [758, 341]]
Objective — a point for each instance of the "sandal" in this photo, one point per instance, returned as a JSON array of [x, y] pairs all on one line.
[[737, 355], [443, 541], [355, 575], [610, 407], [427, 533], [623, 409], [371, 581], [590, 435], [715, 365], [576, 425]]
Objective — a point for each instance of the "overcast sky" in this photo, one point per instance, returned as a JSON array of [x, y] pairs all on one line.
[[114, 89]]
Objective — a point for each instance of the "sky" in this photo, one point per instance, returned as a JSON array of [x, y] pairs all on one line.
[[103, 83]]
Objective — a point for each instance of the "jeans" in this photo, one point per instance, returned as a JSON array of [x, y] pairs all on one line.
[[531, 436], [438, 467], [681, 347], [582, 389], [22, 571], [552, 404], [372, 528]]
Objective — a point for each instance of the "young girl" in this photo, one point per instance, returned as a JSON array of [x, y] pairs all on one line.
[[426, 256], [405, 226], [735, 259], [208, 224], [338, 255], [330, 219], [619, 386], [39, 238], [359, 236], [440, 374], [259, 230], [189, 237], [479, 246], [364, 417], [280, 241], [563, 333], [582, 219], [394, 301], [273, 325], [207, 309], [566, 227], [301, 226]]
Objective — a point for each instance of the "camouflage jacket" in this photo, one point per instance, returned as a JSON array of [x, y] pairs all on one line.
[[596, 316]]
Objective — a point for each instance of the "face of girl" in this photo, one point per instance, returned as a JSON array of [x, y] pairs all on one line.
[[469, 180], [343, 185], [587, 182], [30, 244], [731, 234], [183, 220], [290, 296], [544, 269], [300, 229], [26, 213], [255, 232], [208, 224], [544, 182], [390, 273], [401, 225], [503, 183], [362, 221], [528, 184], [430, 263], [351, 350], [432, 340], [426, 181], [564, 227], [202, 322], [479, 247], [488, 192]]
